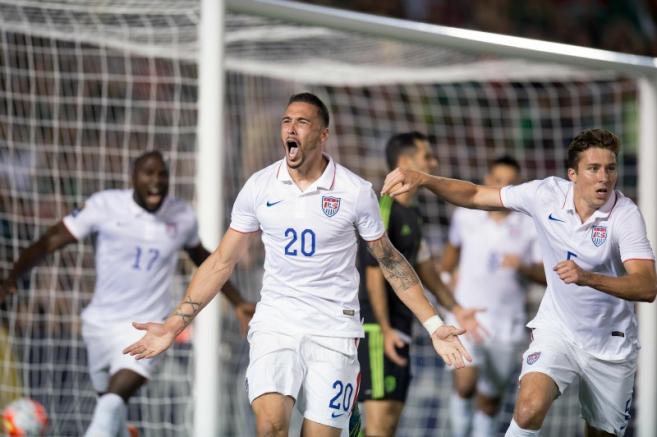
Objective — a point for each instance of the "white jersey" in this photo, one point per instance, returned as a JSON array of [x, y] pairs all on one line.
[[310, 284], [483, 282], [136, 254], [603, 325]]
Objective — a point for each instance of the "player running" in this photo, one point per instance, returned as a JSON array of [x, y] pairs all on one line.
[[496, 253], [139, 234], [598, 262], [304, 335]]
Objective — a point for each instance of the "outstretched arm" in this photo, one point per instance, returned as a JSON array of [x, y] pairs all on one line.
[[244, 309], [639, 284], [55, 238], [466, 317], [458, 192], [206, 283], [401, 276]]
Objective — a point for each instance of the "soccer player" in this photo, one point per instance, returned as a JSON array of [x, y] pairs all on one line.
[[598, 262], [384, 352], [139, 233], [496, 253], [304, 335]]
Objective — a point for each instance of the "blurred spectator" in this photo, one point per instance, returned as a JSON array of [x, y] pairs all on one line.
[[619, 25]]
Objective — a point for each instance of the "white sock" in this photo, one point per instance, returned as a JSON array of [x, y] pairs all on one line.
[[460, 414], [109, 417], [483, 425], [515, 431]]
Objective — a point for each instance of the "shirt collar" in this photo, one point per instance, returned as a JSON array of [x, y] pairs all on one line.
[[602, 212], [325, 181]]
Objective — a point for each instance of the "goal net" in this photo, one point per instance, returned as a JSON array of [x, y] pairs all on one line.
[[86, 86]]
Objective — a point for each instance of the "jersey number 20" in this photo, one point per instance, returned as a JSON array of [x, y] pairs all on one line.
[[306, 242]]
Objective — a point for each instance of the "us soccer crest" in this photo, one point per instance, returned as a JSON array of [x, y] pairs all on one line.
[[532, 358], [599, 235], [330, 205]]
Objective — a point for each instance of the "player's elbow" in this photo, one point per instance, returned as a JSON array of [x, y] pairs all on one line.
[[650, 294]]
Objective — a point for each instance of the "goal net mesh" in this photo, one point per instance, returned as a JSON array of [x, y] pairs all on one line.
[[86, 86]]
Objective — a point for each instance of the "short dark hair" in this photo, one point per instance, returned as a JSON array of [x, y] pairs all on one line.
[[401, 143], [507, 160], [589, 138], [312, 100], [144, 156]]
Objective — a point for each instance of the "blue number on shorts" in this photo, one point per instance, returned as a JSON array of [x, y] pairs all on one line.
[[346, 400], [154, 255], [307, 242], [570, 255], [332, 403], [345, 392]]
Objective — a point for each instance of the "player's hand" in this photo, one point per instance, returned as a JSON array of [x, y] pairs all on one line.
[[244, 312], [570, 273], [7, 287], [157, 340], [391, 342], [447, 344], [467, 319], [401, 181]]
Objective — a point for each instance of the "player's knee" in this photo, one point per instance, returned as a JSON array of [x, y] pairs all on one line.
[[466, 391], [488, 406], [529, 414], [272, 427]]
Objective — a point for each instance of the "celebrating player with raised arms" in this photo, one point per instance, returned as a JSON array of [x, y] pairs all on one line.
[[496, 253], [598, 262], [304, 335], [139, 234]]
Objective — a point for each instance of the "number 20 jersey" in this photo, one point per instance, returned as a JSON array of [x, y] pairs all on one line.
[[310, 283]]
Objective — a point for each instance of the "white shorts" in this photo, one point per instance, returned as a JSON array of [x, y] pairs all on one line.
[[605, 387], [496, 362], [322, 374], [105, 356]]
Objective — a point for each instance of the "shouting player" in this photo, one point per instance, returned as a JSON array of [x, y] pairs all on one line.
[[304, 334], [496, 253], [598, 262], [139, 233]]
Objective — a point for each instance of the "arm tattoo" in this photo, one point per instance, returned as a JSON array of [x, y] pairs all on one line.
[[187, 317], [397, 271]]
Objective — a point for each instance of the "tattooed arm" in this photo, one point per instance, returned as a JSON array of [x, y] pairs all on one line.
[[402, 278], [205, 284]]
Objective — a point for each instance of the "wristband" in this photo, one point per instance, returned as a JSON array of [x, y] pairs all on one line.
[[432, 323]]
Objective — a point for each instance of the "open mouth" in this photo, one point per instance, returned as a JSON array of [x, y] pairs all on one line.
[[602, 192], [154, 196], [292, 148]]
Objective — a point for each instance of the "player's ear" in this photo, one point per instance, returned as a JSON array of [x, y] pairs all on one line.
[[324, 135], [572, 174]]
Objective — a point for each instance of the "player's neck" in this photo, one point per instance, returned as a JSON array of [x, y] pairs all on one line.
[[304, 176], [582, 208]]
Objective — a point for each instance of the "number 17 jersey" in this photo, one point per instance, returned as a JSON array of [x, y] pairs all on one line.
[[310, 284]]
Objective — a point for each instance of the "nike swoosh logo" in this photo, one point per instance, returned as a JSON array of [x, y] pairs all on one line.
[[555, 219], [333, 415], [273, 203]]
